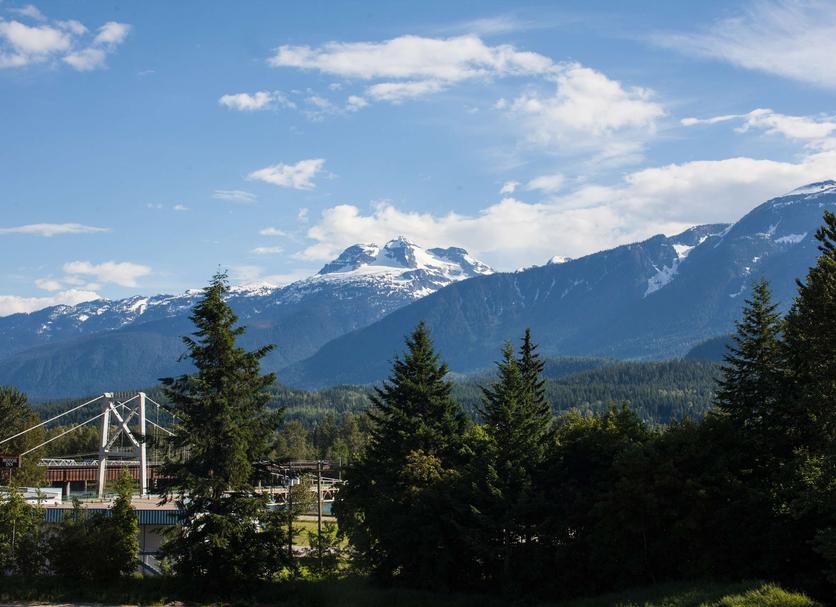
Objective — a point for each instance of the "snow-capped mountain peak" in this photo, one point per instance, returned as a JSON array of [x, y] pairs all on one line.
[[399, 256], [363, 284], [813, 188]]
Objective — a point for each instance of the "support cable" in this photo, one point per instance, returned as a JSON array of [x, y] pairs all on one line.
[[52, 419], [76, 427]]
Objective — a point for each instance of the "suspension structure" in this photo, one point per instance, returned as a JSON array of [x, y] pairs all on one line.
[[107, 441]]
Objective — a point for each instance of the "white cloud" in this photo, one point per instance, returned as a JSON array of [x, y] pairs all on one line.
[[508, 187], [53, 229], [12, 304], [261, 100], [713, 120], [179, 207], [272, 232], [588, 112], [804, 128], [413, 58], [298, 176], [22, 45], [513, 233], [48, 284], [234, 196], [355, 103], [408, 66], [121, 273], [266, 250], [109, 36], [112, 33], [29, 10], [87, 59], [794, 40], [73, 26], [546, 183], [396, 92]]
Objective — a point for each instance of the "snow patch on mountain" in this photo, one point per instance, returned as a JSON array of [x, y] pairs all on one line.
[[558, 259], [666, 274], [791, 238]]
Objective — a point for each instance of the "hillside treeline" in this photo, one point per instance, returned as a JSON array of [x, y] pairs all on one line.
[[659, 392]]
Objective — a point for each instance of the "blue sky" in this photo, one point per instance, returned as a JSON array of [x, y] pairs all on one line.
[[146, 144]]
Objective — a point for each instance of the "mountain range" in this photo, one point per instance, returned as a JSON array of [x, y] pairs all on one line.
[[101, 345], [654, 299], [649, 300]]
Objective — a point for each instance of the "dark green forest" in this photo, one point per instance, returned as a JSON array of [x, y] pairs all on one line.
[[659, 392]]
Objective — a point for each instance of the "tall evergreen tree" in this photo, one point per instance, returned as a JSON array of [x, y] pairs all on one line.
[[811, 355], [810, 331], [750, 387], [537, 410], [223, 428], [393, 506], [517, 419]]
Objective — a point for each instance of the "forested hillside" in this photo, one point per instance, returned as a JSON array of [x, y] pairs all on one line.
[[658, 391]]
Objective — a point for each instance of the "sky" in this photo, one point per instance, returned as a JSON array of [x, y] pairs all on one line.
[[145, 145]]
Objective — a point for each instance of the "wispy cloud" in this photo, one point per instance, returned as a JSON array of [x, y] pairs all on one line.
[[123, 273], [261, 100], [48, 284], [795, 40], [30, 11], [509, 187], [411, 66], [53, 229], [803, 128], [272, 232], [234, 196], [547, 183], [298, 176], [266, 250]]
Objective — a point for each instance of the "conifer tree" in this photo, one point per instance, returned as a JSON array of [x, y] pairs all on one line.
[[223, 428], [538, 411], [393, 505], [811, 355], [517, 419], [810, 331], [750, 387]]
